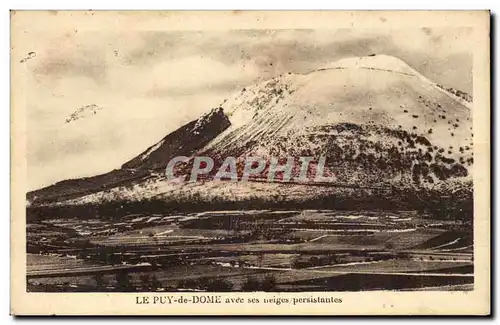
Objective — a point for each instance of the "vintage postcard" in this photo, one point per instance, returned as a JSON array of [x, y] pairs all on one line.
[[250, 163]]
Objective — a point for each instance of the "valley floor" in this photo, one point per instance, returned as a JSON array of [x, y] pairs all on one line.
[[254, 250]]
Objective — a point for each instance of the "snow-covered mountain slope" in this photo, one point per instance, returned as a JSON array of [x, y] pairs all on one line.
[[392, 64], [347, 93], [377, 120]]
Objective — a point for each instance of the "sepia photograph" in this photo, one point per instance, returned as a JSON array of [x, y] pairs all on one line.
[[270, 160]]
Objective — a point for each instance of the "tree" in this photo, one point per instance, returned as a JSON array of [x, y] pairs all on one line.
[[250, 284], [123, 281], [145, 282], [269, 283], [155, 283], [260, 259], [297, 263], [99, 281], [82, 254], [219, 285]]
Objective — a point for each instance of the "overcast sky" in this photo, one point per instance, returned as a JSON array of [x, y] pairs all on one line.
[[149, 83]]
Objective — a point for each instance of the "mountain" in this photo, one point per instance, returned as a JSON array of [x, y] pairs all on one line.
[[379, 123]]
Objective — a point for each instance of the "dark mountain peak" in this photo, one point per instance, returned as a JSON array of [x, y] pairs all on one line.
[[216, 114], [185, 141]]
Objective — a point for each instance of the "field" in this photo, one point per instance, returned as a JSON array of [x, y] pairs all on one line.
[[396, 266], [308, 250], [36, 262]]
